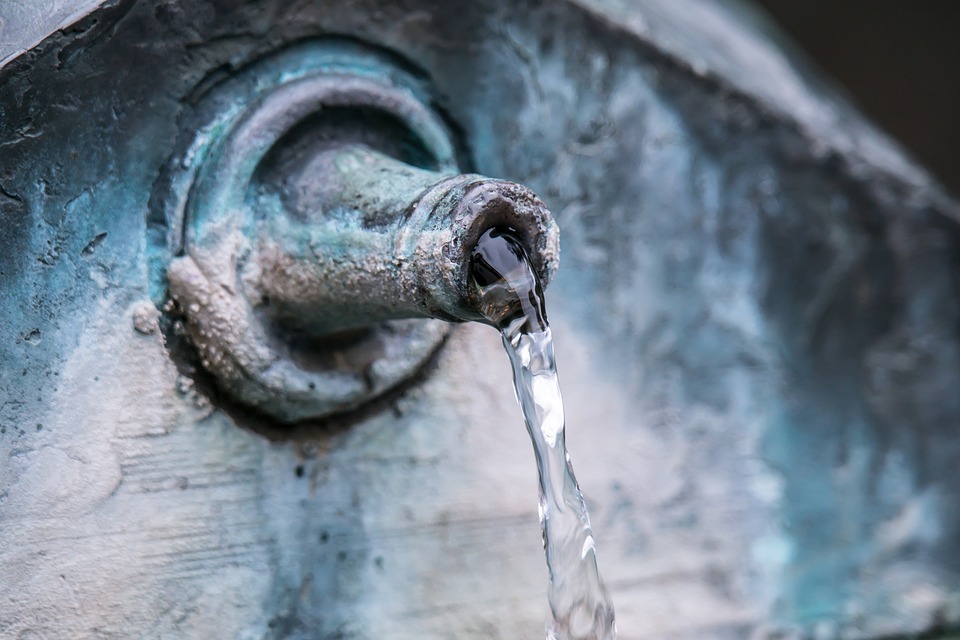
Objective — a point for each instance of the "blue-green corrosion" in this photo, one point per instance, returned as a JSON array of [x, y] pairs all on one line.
[[758, 298]]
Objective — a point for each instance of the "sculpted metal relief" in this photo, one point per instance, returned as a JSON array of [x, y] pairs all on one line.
[[756, 318]]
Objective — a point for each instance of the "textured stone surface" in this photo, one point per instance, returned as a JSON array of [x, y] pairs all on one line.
[[756, 319], [23, 24]]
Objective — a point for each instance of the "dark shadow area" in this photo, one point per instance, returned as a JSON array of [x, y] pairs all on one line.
[[900, 62]]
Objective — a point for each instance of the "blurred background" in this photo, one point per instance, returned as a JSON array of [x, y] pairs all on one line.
[[898, 60]]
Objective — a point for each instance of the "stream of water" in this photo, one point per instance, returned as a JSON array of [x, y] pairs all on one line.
[[512, 300]]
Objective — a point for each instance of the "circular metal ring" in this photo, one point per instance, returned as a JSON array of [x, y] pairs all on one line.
[[203, 214]]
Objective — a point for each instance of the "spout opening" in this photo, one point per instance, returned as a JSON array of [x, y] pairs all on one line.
[[489, 204]]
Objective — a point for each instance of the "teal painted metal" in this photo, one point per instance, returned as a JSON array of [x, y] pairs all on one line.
[[775, 282]]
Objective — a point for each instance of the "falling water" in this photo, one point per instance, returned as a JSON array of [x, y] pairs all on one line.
[[511, 299]]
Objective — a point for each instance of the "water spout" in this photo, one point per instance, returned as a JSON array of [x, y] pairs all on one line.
[[383, 240], [347, 242], [512, 300]]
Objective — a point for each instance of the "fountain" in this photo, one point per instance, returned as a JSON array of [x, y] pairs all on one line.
[[238, 398]]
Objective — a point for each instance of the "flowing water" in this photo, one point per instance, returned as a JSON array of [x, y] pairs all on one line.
[[511, 299]]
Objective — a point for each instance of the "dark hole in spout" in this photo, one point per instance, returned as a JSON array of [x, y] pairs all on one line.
[[509, 291]]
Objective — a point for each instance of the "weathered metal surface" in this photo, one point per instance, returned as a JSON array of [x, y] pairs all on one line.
[[251, 290], [756, 322], [315, 193], [23, 24]]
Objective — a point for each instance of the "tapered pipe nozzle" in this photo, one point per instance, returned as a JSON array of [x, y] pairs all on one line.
[[381, 240]]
